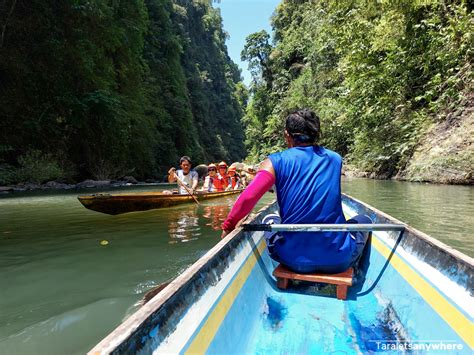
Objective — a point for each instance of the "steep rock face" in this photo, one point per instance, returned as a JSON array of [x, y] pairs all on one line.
[[102, 89], [446, 154]]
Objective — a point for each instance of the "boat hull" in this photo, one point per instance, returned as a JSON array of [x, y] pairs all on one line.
[[142, 201], [415, 294]]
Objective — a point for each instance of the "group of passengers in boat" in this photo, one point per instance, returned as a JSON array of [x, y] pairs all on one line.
[[219, 177]]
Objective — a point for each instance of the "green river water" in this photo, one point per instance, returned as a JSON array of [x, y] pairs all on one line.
[[61, 290]]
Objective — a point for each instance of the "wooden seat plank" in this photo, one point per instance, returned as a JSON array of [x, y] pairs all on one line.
[[341, 280]]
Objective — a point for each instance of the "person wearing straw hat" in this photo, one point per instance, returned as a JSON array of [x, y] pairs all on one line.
[[233, 179], [212, 182]]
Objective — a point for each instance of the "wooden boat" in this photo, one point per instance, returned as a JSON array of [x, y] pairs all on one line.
[[416, 297], [142, 201]]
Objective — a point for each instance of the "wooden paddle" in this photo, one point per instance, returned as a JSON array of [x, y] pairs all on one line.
[[153, 292], [186, 188], [248, 172], [157, 289]]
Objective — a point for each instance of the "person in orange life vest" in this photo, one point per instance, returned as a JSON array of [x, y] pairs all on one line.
[[212, 182], [233, 179], [222, 172]]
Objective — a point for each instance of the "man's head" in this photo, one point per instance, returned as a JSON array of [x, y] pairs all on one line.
[[303, 127], [185, 164], [232, 170]]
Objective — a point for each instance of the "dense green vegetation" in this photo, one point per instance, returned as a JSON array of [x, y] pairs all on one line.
[[378, 74], [104, 89]]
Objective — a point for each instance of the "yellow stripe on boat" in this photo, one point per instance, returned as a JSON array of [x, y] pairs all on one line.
[[208, 330], [457, 320]]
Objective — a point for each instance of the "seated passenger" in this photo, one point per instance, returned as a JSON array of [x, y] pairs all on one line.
[[213, 182], [307, 178], [233, 179], [246, 176], [223, 173]]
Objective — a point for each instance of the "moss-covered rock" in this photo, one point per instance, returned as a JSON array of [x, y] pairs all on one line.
[[446, 154]]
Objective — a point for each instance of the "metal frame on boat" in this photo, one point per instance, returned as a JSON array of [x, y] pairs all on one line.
[[417, 293]]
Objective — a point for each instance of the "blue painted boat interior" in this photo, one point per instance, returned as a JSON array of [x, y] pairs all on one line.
[[383, 309], [264, 319], [411, 294]]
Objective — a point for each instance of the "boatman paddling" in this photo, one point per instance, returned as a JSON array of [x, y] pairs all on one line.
[[307, 179], [189, 177]]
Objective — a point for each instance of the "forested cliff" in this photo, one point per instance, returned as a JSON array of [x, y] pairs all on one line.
[[391, 81], [102, 89]]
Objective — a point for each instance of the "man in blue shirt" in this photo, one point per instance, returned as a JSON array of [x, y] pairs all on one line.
[[307, 179]]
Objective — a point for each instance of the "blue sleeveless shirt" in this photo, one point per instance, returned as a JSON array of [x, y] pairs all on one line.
[[309, 191]]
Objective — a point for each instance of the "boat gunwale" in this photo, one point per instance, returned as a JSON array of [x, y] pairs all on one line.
[[127, 328], [419, 234], [157, 194]]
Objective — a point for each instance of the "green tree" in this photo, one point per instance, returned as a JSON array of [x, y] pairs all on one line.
[[112, 88], [377, 73]]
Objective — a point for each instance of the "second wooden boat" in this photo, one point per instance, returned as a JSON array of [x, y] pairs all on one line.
[[142, 201]]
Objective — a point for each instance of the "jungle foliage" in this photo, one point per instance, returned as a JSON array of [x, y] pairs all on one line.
[[104, 89], [378, 73]]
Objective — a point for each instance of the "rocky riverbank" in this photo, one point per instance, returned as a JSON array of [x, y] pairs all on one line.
[[445, 154], [86, 184]]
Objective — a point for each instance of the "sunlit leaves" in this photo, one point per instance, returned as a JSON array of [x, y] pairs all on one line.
[[376, 72]]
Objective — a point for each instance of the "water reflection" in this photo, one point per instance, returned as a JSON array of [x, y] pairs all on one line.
[[61, 291], [188, 224], [216, 215], [184, 226]]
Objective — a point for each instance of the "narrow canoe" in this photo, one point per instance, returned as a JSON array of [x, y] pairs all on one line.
[[142, 201], [416, 297]]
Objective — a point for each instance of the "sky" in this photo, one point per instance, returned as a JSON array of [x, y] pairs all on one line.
[[241, 18]]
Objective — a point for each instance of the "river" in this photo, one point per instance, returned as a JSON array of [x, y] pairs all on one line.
[[68, 275]]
